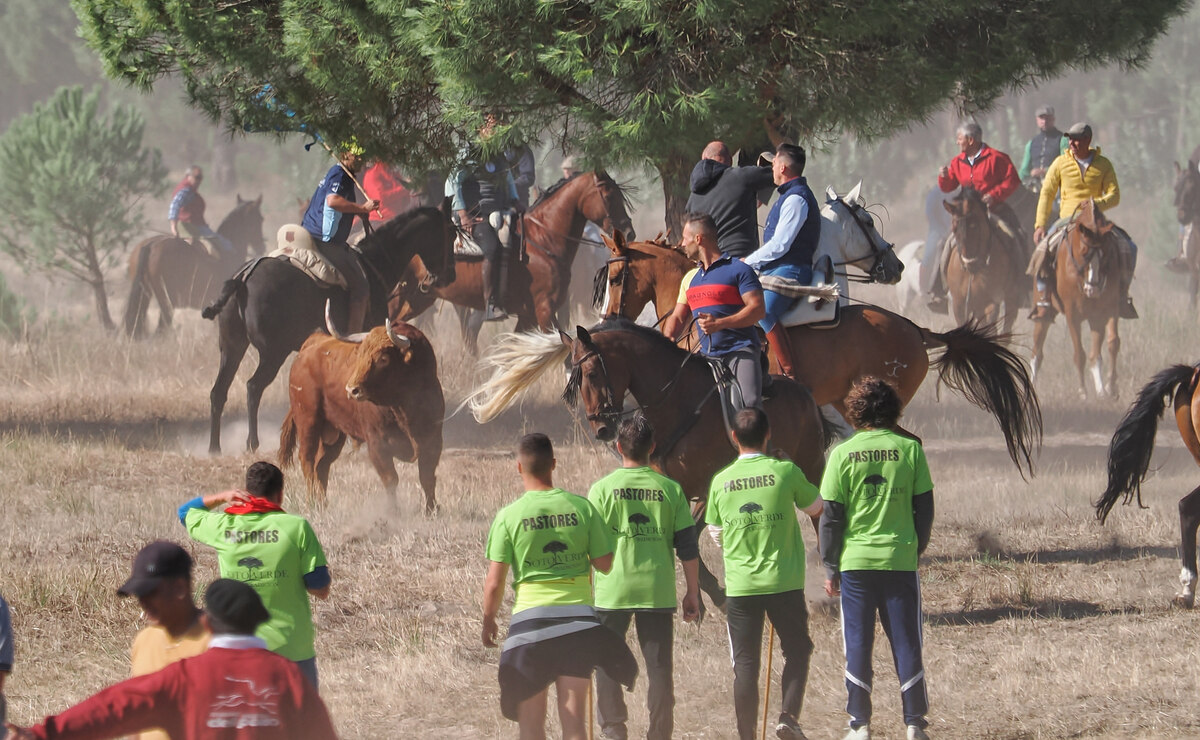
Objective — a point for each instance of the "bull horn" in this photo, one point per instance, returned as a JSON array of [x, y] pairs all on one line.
[[332, 328], [399, 341]]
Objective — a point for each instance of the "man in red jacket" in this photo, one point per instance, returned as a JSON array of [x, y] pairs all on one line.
[[236, 690], [992, 174]]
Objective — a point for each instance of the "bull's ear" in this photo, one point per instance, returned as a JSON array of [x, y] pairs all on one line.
[[583, 335]]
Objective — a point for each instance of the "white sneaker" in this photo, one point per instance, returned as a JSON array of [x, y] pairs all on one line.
[[916, 733], [862, 732]]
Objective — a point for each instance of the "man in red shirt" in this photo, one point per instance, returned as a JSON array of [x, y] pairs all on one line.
[[381, 183], [236, 690], [992, 174]]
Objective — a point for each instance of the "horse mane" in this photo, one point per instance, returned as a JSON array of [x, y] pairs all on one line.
[[626, 190], [394, 230], [550, 191]]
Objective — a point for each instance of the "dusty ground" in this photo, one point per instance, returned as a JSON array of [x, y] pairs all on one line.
[[1040, 622]]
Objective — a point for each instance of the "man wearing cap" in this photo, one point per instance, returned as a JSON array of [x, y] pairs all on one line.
[[162, 583], [1078, 174], [275, 552], [236, 690], [187, 211], [329, 217], [478, 187], [730, 195], [790, 238], [1041, 150], [990, 173]]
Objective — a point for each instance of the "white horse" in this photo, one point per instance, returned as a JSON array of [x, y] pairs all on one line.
[[908, 290]]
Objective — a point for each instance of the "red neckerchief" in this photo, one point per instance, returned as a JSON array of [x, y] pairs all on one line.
[[255, 505]]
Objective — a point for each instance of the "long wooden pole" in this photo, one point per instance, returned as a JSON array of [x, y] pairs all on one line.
[[351, 174], [767, 691]]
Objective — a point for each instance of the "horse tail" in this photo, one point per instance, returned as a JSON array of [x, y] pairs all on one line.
[[976, 363], [287, 440], [1133, 441], [517, 360], [139, 301], [232, 287]]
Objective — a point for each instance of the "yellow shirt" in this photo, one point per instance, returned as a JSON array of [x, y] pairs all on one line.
[[1099, 183], [154, 649], [686, 283]]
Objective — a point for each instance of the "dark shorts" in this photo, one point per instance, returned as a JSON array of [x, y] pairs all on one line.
[[527, 669]]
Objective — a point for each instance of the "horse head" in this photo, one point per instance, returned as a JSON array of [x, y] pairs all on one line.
[[609, 284], [243, 226], [970, 225], [604, 202], [1187, 192], [600, 386], [1091, 246], [849, 237]]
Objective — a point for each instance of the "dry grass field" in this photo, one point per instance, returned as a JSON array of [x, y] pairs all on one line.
[[1040, 623]]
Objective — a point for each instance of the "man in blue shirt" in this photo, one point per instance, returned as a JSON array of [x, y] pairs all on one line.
[[329, 217], [726, 301], [790, 239]]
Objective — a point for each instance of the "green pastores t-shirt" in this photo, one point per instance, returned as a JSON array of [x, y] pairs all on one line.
[[754, 502], [875, 475], [549, 538], [643, 510], [272, 553]]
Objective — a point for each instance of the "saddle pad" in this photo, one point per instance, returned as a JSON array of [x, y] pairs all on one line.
[[465, 246], [313, 264], [822, 315], [817, 304]]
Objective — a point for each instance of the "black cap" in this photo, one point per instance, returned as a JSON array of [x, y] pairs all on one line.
[[154, 564], [236, 605]]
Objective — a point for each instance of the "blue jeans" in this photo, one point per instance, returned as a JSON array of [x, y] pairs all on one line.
[[896, 597], [309, 669], [777, 305]]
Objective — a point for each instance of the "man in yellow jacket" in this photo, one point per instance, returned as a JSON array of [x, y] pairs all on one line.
[[1079, 173]]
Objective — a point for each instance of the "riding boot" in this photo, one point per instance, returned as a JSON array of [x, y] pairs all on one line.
[[492, 312], [1043, 310], [778, 338], [1127, 311]]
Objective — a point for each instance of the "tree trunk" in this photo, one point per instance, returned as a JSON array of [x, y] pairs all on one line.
[[674, 171], [98, 289]]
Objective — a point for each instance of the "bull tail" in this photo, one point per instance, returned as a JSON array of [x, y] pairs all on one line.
[[287, 440], [1133, 441], [139, 298]]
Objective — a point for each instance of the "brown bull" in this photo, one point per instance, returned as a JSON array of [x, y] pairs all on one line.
[[381, 388]]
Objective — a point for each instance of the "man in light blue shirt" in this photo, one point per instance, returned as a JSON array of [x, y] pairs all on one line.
[[790, 239]]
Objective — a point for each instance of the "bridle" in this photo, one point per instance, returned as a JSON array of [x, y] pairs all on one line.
[[972, 264], [1092, 278], [608, 411], [875, 272]]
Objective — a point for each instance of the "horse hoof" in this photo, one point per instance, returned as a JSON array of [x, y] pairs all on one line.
[[1183, 602]]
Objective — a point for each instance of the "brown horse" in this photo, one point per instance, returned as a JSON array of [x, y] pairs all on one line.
[[1129, 458], [981, 274], [1086, 287], [868, 340], [553, 228], [673, 388], [1187, 210], [181, 275]]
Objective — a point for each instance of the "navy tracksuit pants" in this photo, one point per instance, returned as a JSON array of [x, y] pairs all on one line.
[[896, 597]]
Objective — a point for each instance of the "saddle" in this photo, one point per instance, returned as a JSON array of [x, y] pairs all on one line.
[[1044, 257], [818, 306], [295, 245]]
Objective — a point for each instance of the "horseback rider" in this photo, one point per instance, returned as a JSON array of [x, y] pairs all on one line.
[[730, 195], [726, 301], [325, 219], [187, 209], [480, 187], [1041, 150], [991, 173], [790, 238], [1080, 173]]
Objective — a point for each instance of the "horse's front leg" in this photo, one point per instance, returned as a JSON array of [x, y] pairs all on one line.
[[1095, 360], [1040, 330], [1189, 520], [1113, 339], [1075, 327]]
